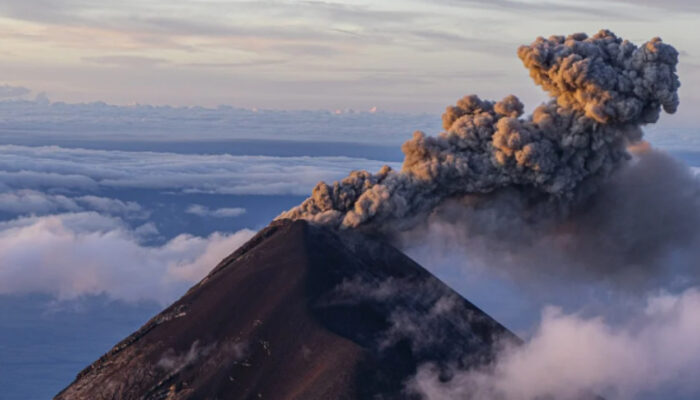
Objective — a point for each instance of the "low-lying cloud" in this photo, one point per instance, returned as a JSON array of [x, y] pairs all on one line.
[[74, 254], [42, 119], [23, 167], [27, 201], [654, 353], [640, 234]]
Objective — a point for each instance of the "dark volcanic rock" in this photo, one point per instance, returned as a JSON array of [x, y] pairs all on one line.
[[299, 312]]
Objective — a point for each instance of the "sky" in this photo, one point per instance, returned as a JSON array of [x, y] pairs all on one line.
[[407, 56], [143, 141]]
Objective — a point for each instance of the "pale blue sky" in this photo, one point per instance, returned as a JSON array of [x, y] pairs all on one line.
[[408, 55]]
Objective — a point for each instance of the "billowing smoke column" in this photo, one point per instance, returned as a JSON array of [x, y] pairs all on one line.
[[603, 89]]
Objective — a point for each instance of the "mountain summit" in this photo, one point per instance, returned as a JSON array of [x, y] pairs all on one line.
[[298, 312]]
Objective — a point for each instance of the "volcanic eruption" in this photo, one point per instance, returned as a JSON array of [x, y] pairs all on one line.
[[603, 89], [319, 305]]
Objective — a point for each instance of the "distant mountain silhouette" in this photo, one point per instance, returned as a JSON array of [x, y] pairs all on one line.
[[299, 312]]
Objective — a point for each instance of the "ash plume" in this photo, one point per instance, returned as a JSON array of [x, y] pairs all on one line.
[[603, 90]]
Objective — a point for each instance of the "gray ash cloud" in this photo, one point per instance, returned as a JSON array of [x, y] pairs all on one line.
[[603, 90]]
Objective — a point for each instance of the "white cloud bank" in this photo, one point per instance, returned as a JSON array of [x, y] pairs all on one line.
[[74, 254], [24, 167], [655, 352]]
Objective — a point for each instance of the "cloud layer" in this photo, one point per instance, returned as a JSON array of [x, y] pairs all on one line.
[[62, 236], [23, 167], [655, 353], [27, 201], [74, 254], [41, 119]]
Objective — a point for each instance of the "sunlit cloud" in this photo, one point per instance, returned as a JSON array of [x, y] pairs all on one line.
[[70, 255]]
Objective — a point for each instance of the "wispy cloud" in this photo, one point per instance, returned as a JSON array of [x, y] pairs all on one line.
[[112, 206], [306, 40], [675, 5], [243, 52], [538, 7], [127, 61], [226, 212]]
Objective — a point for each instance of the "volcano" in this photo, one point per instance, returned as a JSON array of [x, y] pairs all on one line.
[[298, 312]]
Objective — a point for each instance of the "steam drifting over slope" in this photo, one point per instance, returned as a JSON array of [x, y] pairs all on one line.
[[603, 89]]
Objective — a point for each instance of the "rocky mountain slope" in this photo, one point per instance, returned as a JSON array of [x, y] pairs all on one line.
[[299, 312]]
